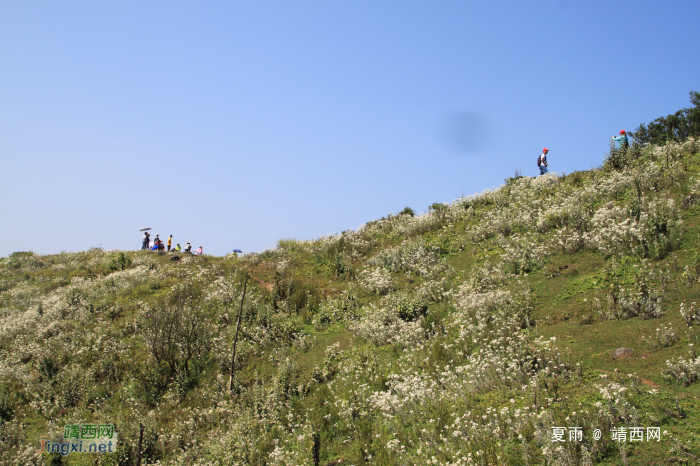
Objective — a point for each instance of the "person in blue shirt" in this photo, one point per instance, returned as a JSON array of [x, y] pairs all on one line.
[[621, 141]]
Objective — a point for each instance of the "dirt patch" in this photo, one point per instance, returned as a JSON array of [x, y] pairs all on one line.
[[647, 382], [267, 285]]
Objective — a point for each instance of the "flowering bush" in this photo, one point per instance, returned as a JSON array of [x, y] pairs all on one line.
[[681, 370], [649, 228], [411, 258], [665, 336], [382, 325], [377, 280], [691, 314]]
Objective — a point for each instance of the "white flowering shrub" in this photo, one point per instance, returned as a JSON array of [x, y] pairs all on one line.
[[377, 280], [412, 257], [691, 314], [683, 371], [435, 290], [616, 407], [568, 240], [649, 229], [336, 309], [483, 278], [382, 325], [522, 253], [665, 336], [691, 272], [620, 302], [644, 300]]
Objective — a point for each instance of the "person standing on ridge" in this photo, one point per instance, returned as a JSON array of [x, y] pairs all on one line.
[[542, 161], [170, 242], [144, 240], [621, 141]]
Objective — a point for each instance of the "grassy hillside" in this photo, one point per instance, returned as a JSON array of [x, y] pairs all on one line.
[[462, 336]]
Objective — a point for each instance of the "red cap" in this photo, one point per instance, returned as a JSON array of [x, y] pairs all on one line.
[[545, 150], [622, 132]]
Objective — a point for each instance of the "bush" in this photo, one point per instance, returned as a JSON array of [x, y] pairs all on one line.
[[685, 371], [407, 307], [6, 411], [120, 262], [413, 257], [692, 314], [407, 211], [665, 336], [176, 331], [377, 280]]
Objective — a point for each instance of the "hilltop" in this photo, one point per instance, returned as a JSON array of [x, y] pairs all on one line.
[[476, 333]]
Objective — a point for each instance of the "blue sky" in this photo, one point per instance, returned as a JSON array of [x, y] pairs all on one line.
[[235, 124]]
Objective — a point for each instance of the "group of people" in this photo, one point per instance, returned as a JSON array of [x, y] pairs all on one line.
[[621, 143], [158, 245]]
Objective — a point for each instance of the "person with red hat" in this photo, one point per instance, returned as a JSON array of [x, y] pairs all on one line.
[[621, 141], [542, 161]]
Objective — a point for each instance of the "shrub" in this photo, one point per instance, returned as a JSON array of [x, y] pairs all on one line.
[[176, 332], [665, 336], [681, 370], [691, 314], [691, 272], [382, 325], [408, 211], [411, 258], [522, 254], [335, 310], [120, 262], [377, 280], [406, 306], [643, 300], [6, 410], [648, 228]]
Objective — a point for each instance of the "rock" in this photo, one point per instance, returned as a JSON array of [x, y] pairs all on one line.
[[690, 200], [622, 353], [175, 258]]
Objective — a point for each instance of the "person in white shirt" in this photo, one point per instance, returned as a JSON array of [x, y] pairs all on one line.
[[542, 161]]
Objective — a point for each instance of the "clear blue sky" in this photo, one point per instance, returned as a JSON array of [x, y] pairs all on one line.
[[235, 124]]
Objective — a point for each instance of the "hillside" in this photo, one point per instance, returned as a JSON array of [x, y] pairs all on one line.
[[462, 336]]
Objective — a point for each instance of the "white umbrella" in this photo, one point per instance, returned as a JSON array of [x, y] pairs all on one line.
[[145, 228]]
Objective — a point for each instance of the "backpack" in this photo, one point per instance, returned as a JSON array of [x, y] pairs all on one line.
[[539, 160]]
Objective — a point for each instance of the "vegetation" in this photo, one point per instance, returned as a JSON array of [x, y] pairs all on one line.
[[464, 336], [678, 127]]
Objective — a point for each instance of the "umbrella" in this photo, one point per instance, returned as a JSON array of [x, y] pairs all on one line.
[[238, 251], [145, 228]]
